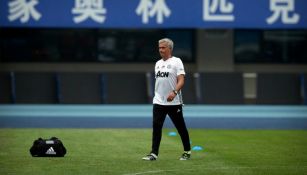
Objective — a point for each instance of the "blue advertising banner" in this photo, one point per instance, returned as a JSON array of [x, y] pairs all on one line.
[[289, 14]]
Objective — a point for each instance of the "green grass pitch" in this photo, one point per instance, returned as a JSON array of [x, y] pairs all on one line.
[[119, 151]]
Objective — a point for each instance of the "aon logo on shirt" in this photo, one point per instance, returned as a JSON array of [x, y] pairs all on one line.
[[162, 74]]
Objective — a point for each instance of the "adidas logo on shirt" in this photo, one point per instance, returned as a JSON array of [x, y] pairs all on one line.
[[51, 151]]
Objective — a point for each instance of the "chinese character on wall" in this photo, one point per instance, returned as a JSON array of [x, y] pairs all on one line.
[[281, 10], [85, 9], [23, 10], [218, 10], [148, 9]]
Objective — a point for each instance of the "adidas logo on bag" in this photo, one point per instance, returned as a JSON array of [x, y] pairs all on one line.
[[52, 147], [51, 151]]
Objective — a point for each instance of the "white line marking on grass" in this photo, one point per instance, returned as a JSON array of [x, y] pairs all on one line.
[[218, 168], [147, 172]]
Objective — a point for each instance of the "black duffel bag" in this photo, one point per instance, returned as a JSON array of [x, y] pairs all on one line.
[[52, 147]]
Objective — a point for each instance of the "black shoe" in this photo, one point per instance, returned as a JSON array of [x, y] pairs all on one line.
[[150, 157], [186, 155]]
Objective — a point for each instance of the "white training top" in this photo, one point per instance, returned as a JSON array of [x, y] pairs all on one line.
[[166, 73]]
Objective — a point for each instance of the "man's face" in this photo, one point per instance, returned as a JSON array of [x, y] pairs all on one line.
[[164, 50]]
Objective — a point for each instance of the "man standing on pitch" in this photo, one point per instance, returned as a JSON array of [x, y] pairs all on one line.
[[169, 74]]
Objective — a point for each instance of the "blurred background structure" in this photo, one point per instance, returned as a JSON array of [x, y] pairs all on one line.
[[60, 53]]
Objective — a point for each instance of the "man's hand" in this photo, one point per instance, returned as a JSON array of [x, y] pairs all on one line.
[[171, 96]]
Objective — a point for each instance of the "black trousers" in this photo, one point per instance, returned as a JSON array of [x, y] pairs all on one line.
[[159, 115]]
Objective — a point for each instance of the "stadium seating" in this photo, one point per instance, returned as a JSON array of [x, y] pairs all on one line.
[[189, 90], [278, 88], [304, 88], [5, 88], [35, 87], [125, 88], [138, 87], [221, 88], [79, 88]]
